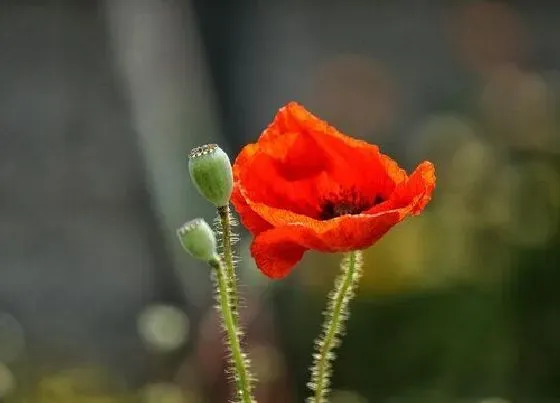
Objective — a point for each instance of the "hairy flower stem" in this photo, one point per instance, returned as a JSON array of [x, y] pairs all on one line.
[[239, 361], [335, 315], [226, 241]]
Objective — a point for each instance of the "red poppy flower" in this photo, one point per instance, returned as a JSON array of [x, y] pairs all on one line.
[[304, 185]]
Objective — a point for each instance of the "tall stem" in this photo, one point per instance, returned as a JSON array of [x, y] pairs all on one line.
[[336, 314], [239, 361], [226, 240]]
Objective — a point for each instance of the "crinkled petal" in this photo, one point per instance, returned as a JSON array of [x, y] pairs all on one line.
[[277, 250], [250, 220], [422, 182], [339, 226], [295, 180], [275, 254], [415, 191], [350, 156]]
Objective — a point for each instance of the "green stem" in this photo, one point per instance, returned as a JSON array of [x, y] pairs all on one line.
[[239, 361], [227, 251], [335, 315]]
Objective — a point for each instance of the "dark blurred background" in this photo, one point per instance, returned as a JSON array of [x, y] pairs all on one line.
[[101, 100]]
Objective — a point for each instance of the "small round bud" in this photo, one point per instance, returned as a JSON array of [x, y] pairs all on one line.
[[198, 239], [211, 173]]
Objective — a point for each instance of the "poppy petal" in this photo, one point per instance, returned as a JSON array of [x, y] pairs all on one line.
[[328, 228], [422, 182], [283, 175], [251, 220], [350, 156], [274, 254], [277, 250], [358, 231], [415, 191]]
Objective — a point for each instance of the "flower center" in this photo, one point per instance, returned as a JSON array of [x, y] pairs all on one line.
[[336, 205]]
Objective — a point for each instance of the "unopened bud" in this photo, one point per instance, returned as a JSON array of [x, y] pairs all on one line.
[[210, 171], [198, 239]]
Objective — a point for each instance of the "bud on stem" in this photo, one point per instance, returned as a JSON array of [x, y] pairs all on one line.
[[211, 173], [198, 239]]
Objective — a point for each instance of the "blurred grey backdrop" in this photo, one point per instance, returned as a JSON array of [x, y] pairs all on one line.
[[101, 100]]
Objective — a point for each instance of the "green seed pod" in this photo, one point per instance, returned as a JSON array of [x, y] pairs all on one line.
[[210, 171], [198, 239]]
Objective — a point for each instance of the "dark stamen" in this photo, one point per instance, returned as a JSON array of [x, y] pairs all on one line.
[[378, 199], [347, 203]]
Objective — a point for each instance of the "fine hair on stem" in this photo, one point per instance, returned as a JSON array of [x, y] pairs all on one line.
[[336, 314], [238, 360]]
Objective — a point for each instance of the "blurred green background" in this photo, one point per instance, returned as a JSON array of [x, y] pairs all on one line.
[[101, 100]]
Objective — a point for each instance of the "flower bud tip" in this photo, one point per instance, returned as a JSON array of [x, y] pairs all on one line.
[[210, 170], [198, 239]]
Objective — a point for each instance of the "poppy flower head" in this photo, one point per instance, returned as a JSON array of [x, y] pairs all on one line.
[[303, 185]]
